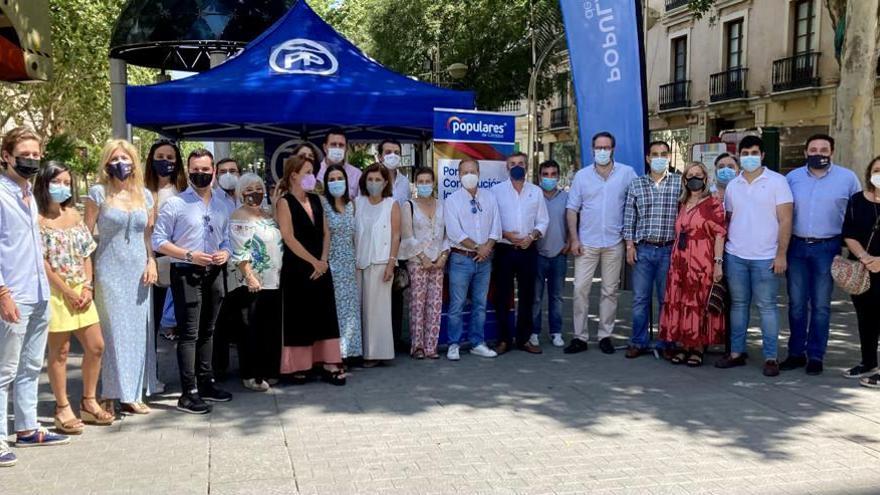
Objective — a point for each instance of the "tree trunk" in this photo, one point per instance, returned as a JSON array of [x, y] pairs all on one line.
[[854, 112]]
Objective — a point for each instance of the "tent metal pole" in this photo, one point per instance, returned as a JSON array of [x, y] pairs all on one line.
[[118, 80], [222, 149]]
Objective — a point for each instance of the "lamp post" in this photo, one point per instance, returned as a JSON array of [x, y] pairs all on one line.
[[532, 97]]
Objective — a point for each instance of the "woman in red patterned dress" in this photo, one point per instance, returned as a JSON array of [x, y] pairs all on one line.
[[700, 230]]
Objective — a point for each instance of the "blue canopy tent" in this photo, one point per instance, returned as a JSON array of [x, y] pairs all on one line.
[[295, 81]]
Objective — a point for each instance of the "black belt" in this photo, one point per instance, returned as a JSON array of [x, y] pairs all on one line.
[[658, 244], [815, 240], [197, 268]]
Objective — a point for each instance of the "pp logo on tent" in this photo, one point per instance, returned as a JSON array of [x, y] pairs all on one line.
[[302, 56]]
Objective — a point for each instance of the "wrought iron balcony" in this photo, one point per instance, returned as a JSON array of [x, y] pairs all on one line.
[[675, 95], [559, 118], [799, 71], [728, 85], [674, 4], [511, 106]]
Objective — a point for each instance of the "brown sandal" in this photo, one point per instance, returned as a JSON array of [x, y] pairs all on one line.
[[101, 417], [73, 426], [134, 408]]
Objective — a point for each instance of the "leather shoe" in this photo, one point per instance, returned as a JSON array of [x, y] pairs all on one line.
[[730, 362], [814, 367], [502, 347], [793, 363], [606, 346], [633, 352], [771, 368], [575, 346], [531, 349]]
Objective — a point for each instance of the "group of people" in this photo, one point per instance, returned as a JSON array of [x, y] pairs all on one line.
[[311, 276]]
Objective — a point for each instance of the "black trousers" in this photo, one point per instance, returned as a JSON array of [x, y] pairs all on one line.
[[400, 344], [868, 316], [259, 341], [229, 326], [197, 293], [510, 264]]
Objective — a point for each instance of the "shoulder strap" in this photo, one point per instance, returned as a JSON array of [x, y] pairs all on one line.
[[412, 211]]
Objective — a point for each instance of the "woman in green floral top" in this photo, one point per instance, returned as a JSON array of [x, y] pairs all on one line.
[[67, 245], [256, 264]]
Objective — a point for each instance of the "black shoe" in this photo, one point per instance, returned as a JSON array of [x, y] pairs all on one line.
[[209, 392], [606, 346], [575, 346], [793, 363], [193, 404], [814, 367]]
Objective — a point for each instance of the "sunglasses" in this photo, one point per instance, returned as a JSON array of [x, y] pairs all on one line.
[[475, 206]]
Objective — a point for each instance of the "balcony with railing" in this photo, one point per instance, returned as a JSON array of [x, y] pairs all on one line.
[[674, 4], [559, 118], [728, 85], [675, 95], [513, 106], [799, 71]]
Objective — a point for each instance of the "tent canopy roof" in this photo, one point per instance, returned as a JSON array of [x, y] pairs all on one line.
[[297, 80]]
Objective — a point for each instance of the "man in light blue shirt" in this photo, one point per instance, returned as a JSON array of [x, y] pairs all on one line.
[[24, 294], [192, 228], [821, 191], [598, 195], [552, 256]]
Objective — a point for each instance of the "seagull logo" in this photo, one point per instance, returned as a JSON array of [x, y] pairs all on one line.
[[453, 120], [302, 56]]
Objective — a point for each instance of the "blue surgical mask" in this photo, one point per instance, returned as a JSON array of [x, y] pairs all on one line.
[[337, 188], [518, 173], [59, 192], [375, 188], [750, 163], [425, 190], [549, 183], [659, 164], [725, 175], [602, 157]]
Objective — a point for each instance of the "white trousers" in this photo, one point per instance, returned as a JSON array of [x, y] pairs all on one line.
[[610, 261]]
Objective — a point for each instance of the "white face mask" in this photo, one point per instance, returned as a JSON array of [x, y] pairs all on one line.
[[602, 157], [875, 180], [391, 160], [470, 181], [335, 155], [228, 182]]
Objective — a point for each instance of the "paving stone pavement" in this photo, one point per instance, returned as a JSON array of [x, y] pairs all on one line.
[[588, 423]]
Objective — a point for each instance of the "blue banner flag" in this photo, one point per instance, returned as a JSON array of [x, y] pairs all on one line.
[[605, 48]]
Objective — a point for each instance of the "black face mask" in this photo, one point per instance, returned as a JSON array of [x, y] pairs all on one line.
[[163, 168], [253, 199], [26, 167], [695, 184], [818, 162], [201, 179]]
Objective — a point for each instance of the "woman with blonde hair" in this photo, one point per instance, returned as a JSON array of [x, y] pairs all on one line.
[[696, 265], [125, 268]]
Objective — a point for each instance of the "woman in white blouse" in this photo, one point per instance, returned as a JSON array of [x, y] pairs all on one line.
[[424, 245], [377, 239], [256, 267]]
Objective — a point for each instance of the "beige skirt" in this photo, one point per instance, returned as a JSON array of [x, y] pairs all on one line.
[[376, 300]]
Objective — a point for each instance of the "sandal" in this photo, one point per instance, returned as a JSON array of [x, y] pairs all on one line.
[[333, 377], [101, 417], [679, 357], [695, 360], [872, 381], [73, 426], [419, 354], [134, 408], [299, 379]]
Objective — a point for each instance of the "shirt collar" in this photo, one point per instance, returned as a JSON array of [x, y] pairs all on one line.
[[12, 186], [813, 176]]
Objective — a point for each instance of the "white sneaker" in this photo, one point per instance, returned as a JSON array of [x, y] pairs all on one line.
[[557, 340], [483, 351], [253, 384], [533, 340], [452, 354]]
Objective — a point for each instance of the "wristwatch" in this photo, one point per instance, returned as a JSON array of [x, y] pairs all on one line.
[[719, 260], [188, 256]]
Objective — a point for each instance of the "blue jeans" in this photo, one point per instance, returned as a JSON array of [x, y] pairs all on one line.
[[466, 275], [22, 347], [809, 296], [649, 274], [748, 279], [552, 271]]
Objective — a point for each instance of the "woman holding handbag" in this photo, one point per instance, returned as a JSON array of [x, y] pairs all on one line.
[[860, 232], [695, 267]]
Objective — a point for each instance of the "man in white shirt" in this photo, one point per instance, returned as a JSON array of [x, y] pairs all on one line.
[[524, 220], [335, 145], [473, 226], [598, 195], [759, 204]]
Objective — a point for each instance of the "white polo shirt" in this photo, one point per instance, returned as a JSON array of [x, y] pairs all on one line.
[[753, 233]]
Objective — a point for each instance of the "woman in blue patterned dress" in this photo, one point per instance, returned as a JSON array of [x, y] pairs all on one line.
[[125, 268], [340, 219]]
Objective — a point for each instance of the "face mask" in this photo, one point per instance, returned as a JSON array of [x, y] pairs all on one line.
[[725, 175], [253, 198], [59, 193], [602, 157], [120, 169], [308, 182], [818, 162], [659, 164], [470, 181], [425, 190], [163, 168], [201, 180], [518, 173], [335, 155], [375, 188], [391, 161], [337, 188], [549, 183], [875, 179], [228, 182], [26, 167], [750, 163], [695, 184]]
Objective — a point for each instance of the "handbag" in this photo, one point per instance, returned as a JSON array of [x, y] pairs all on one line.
[[718, 298], [852, 276], [401, 278]]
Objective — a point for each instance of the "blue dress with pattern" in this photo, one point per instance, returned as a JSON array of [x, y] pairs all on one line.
[[123, 301], [342, 266]]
